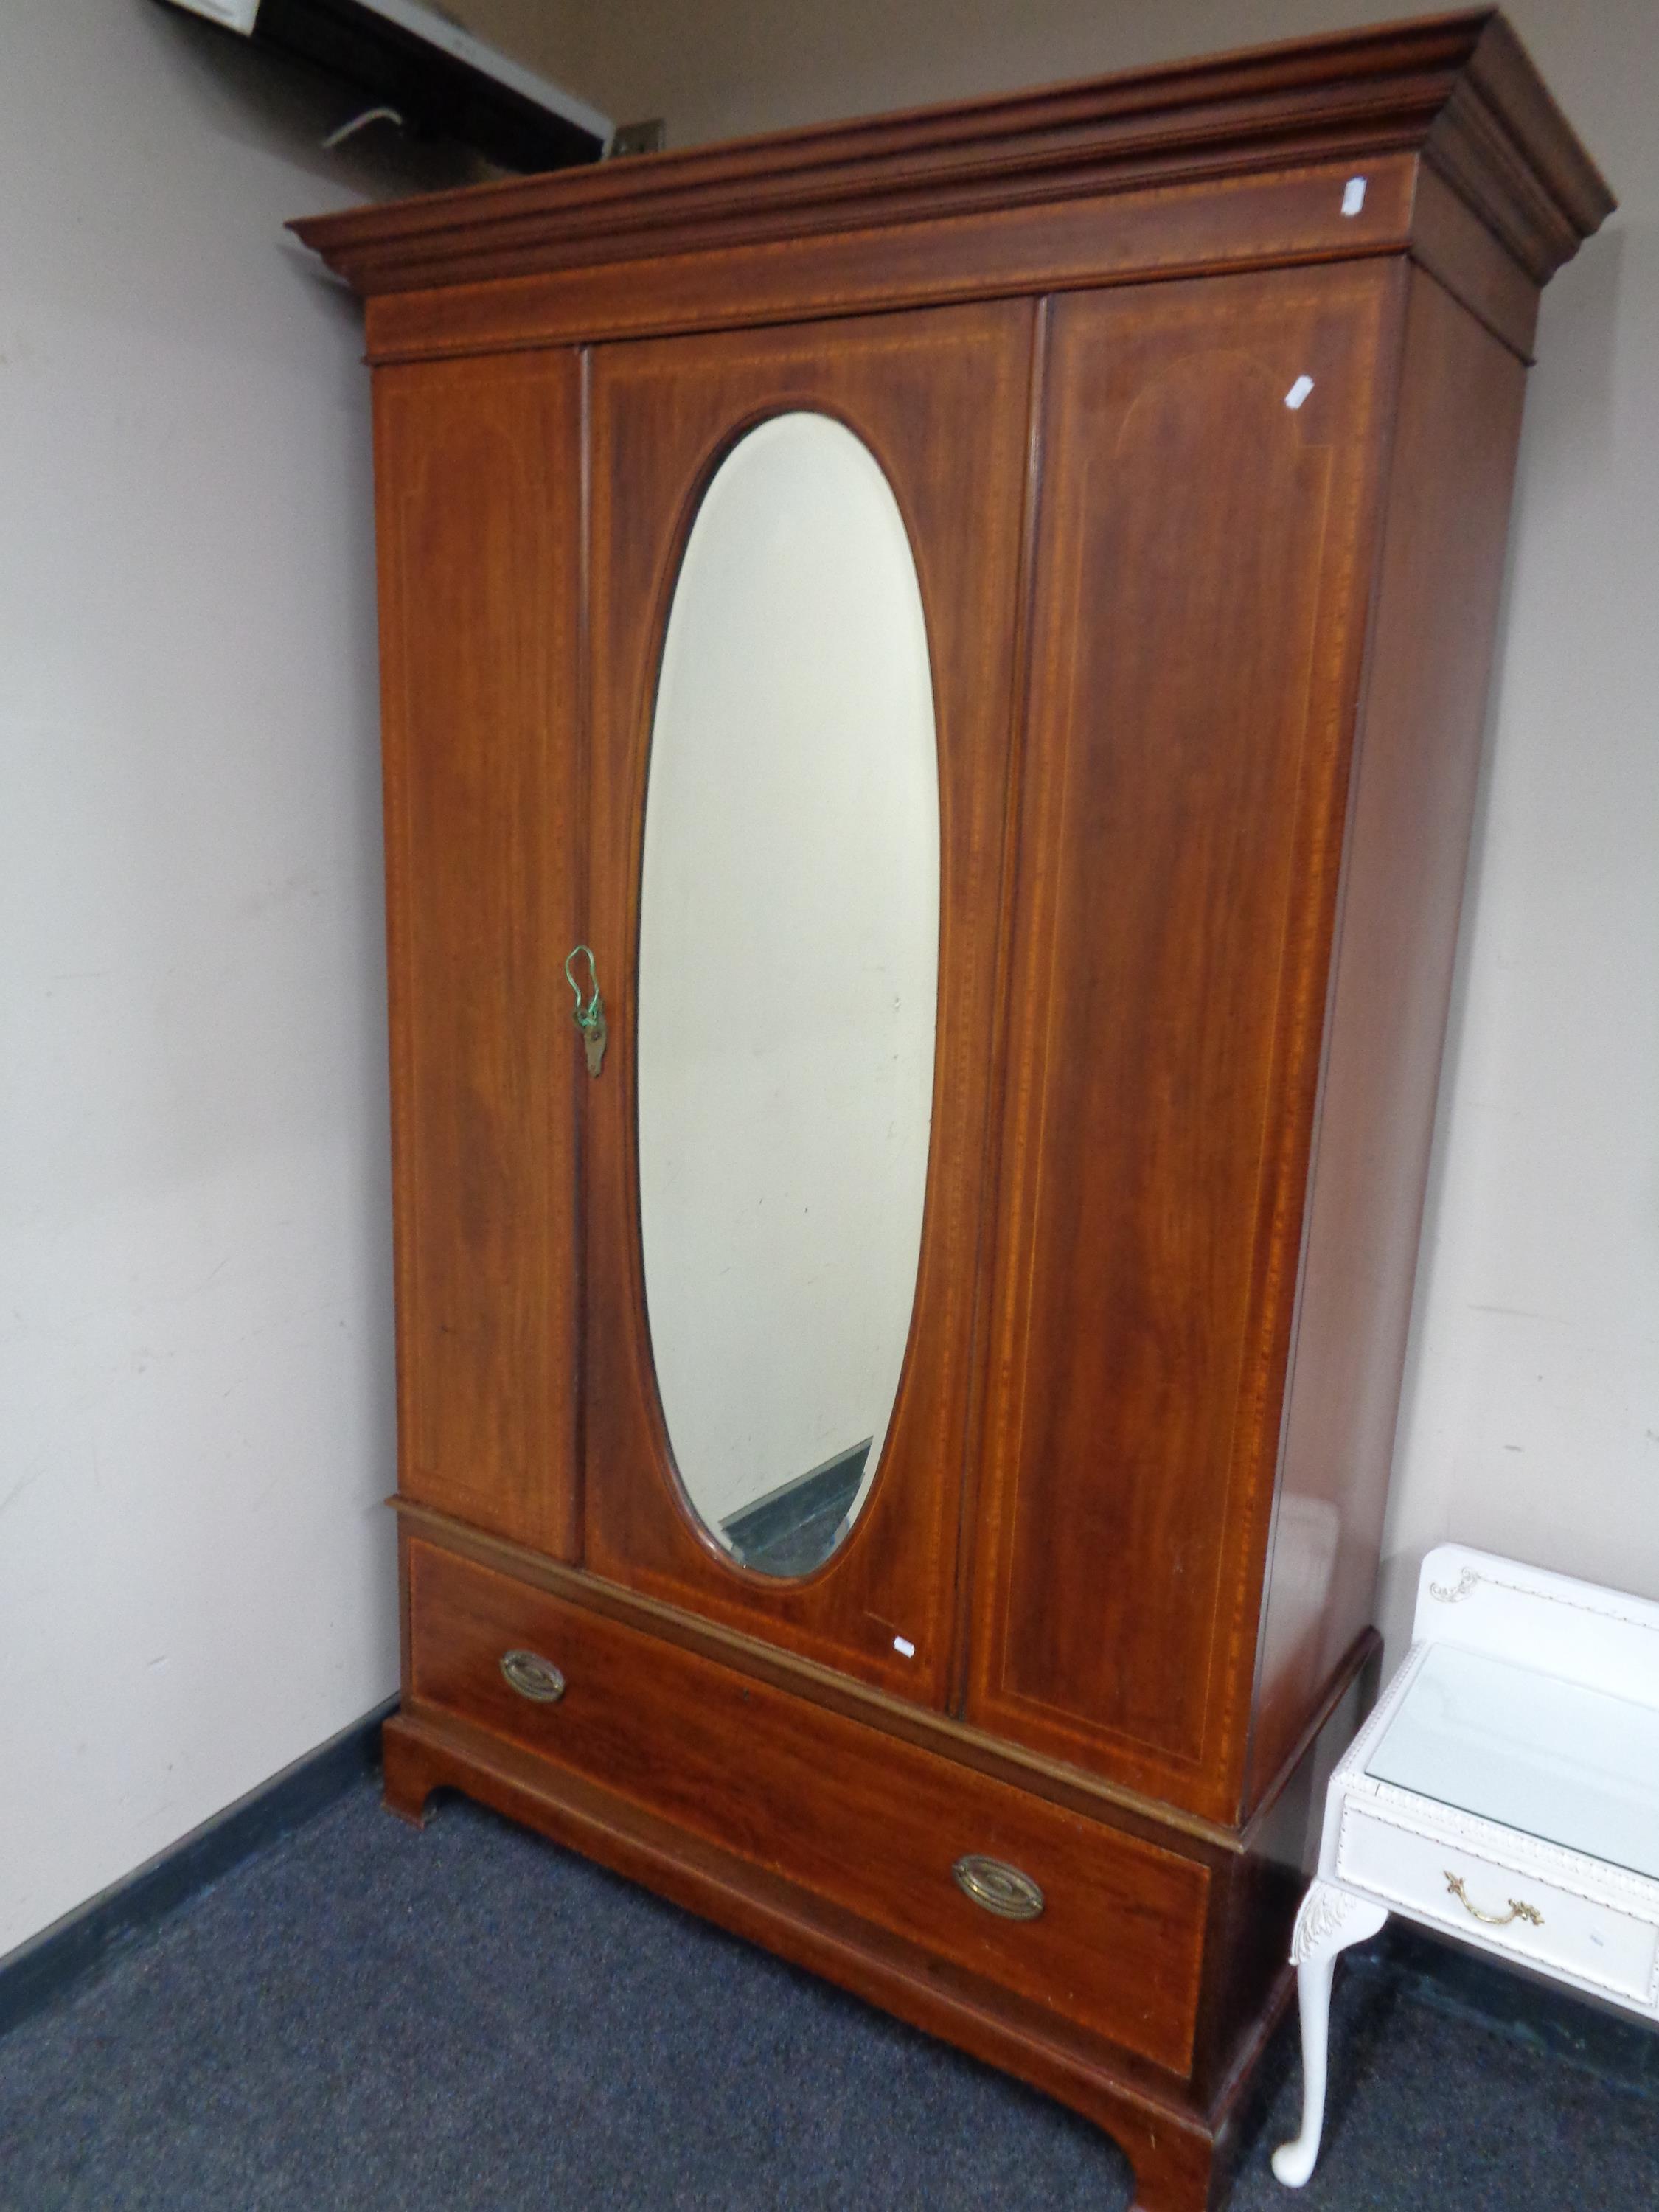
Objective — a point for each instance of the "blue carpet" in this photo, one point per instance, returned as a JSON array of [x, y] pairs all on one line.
[[365, 2017]]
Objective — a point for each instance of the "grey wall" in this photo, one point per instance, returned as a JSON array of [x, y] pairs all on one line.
[[195, 1301]]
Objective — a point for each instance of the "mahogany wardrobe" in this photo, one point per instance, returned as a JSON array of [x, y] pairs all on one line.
[[934, 677]]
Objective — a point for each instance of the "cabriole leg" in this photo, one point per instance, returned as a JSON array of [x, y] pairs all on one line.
[[1330, 1919]]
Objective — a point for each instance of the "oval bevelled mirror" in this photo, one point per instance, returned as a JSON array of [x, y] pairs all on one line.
[[788, 989]]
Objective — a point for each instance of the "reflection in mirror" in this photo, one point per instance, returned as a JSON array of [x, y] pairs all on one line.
[[788, 980]]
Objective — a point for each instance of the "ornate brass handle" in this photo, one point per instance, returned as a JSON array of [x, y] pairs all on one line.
[[533, 1677], [1516, 1911], [1000, 1888]]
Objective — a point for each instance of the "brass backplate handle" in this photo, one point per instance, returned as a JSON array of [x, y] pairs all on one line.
[[1517, 1910], [533, 1677], [1000, 1888]]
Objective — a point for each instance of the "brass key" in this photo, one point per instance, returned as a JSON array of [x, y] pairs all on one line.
[[589, 1016], [595, 1036]]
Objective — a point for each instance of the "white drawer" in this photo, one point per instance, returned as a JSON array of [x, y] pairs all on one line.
[[1578, 1935]]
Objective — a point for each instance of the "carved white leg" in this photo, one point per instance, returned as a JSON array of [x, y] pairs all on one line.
[[1330, 1919]]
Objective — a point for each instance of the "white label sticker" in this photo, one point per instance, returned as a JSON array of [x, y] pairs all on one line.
[[903, 1646], [1353, 195], [1299, 392]]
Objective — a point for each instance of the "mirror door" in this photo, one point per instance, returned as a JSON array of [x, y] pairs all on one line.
[[804, 555], [785, 990]]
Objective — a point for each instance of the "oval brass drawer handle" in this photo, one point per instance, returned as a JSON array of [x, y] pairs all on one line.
[[1000, 1888], [533, 1677], [1516, 1911]]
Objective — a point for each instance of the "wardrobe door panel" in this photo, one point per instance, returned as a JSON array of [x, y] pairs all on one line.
[[479, 536], [939, 402], [1202, 575]]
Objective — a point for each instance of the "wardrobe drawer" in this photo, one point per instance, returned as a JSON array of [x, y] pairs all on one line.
[[1112, 1931], [1576, 1934]]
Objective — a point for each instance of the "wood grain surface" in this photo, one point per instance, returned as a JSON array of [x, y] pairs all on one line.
[[1182, 2147], [479, 565], [1456, 433], [1202, 586], [834, 1807]]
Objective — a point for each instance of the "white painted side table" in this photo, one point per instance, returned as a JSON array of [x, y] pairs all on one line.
[[1505, 1792]]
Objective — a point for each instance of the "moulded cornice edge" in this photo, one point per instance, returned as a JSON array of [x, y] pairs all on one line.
[[1458, 88]]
